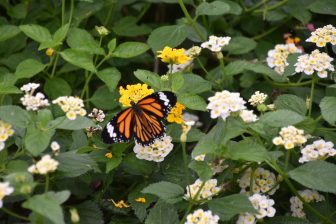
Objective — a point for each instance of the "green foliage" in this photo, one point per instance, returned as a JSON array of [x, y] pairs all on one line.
[[169, 192]]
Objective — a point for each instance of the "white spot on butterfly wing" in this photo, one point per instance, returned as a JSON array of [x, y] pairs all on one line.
[[164, 98], [110, 130]]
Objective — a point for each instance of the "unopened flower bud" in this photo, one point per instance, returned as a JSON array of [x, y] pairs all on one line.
[[74, 215]]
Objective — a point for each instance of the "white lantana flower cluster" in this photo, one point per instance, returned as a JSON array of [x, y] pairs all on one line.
[[317, 61], [320, 149], [308, 196], [155, 152], [72, 106], [263, 181], [44, 166], [208, 190], [324, 35], [31, 101], [257, 98], [202, 217], [290, 137], [264, 207], [97, 115], [5, 132], [277, 57], [5, 190], [248, 116], [222, 104], [216, 44], [186, 117]]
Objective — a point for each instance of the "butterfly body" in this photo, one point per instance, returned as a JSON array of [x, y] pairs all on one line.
[[142, 121]]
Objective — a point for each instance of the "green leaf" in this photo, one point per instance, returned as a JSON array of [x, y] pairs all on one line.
[[127, 26], [291, 102], [73, 165], [192, 101], [202, 169], [150, 78], [233, 127], [281, 118], [317, 175], [130, 49], [56, 87], [48, 205], [81, 40], [213, 8], [5, 89], [131, 164], [80, 59], [235, 8], [285, 220], [294, 7], [15, 115], [169, 192], [175, 131], [117, 153], [171, 36], [65, 123], [240, 45], [28, 68], [112, 45], [36, 32], [194, 84], [177, 80], [8, 32], [36, 140], [162, 213], [89, 213], [246, 150], [110, 76], [290, 68], [104, 99], [60, 34], [229, 206], [328, 108], [43, 117], [323, 7]]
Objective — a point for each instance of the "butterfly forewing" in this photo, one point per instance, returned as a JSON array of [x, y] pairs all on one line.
[[142, 121]]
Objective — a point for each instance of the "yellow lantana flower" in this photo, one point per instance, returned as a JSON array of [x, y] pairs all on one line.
[[141, 200], [175, 114], [173, 56], [120, 204], [133, 93], [109, 155]]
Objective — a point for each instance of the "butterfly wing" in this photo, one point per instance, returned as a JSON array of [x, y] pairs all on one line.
[[119, 128]]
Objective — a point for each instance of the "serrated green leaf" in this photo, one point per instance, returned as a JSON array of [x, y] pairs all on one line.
[[36, 32], [127, 26], [202, 169], [80, 59], [102, 96], [281, 118], [81, 40], [56, 87], [192, 101], [177, 80], [246, 150], [317, 175], [169, 192], [150, 78], [240, 45], [328, 108], [130, 49], [65, 123], [37, 140], [291, 102], [28, 68], [89, 213], [213, 8], [15, 115], [162, 213], [112, 45], [327, 7], [8, 32], [194, 84], [5, 89], [290, 68], [110, 76]]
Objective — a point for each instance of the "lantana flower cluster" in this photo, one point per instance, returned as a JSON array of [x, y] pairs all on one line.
[[216, 44], [316, 61], [5, 190], [207, 192], [200, 216], [31, 101], [175, 114], [290, 137], [191, 53], [257, 98], [5, 132], [324, 35], [173, 56], [248, 116], [72, 106], [44, 166], [263, 205], [308, 196], [263, 181], [155, 152], [319, 149], [277, 57], [191, 117], [133, 93]]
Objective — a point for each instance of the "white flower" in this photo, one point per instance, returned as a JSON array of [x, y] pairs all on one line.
[[277, 57], [202, 217], [155, 152], [314, 62], [248, 116], [246, 219], [209, 189], [72, 106], [191, 117], [320, 149], [5, 132], [200, 157], [97, 115], [44, 166], [5, 190], [308, 196], [55, 147], [257, 98], [322, 36], [222, 104], [30, 101], [215, 44], [264, 181], [290, 137]]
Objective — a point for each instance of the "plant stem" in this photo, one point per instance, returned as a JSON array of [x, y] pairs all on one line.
[[9, 212], [256, 6], [109, 13], [46, 186], [63, 12], [311, 96], [290, 84], [184, 156], [271, 30], [191, 20], [288, 152], [201, 65], [271, 7]]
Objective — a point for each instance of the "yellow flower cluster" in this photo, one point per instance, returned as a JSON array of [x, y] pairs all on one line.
[[133, 93], [175, 114], [173, 56], [5, 132]]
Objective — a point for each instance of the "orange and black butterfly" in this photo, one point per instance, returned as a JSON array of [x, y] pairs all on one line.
[[143, 120]]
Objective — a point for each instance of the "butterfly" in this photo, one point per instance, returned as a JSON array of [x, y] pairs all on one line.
[[142, 121]]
